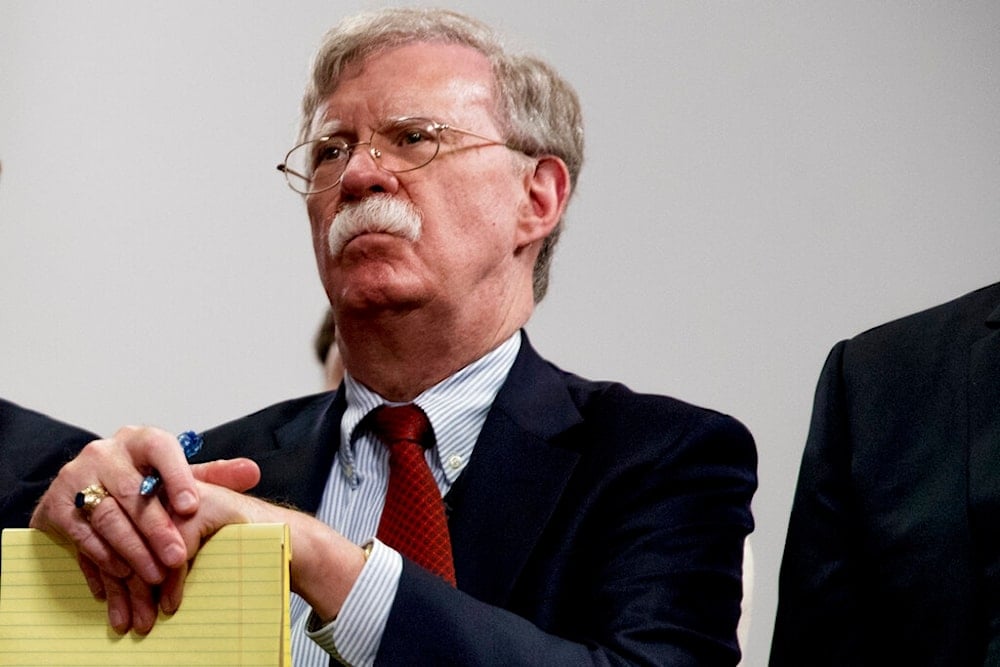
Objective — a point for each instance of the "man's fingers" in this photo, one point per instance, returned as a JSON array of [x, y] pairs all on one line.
[[172, 589], [127, 542], [119, 612], [142, 599], [124, 526], [155, 451], [236, 474], [110, 522], [92, 574], [147, 450], [56, 513]]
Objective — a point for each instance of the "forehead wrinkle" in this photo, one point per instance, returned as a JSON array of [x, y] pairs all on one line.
[[450, 99], [453, 103]]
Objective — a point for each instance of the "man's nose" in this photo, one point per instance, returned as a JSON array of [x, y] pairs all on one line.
[[364, 174]]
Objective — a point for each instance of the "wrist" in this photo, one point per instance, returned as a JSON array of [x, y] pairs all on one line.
[[325, 565]]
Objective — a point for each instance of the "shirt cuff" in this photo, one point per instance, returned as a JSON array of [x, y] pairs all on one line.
[[354, 636]]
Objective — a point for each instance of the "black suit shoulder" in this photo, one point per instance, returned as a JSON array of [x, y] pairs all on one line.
[[627, 423], [947, 326], [904, 382]]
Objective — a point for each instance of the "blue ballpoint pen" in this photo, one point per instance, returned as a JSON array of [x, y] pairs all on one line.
[[191, 443]]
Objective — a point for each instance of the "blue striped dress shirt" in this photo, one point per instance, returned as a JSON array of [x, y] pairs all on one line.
[[355, 493]]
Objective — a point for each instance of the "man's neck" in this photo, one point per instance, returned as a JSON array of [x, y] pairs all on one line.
[[401, 355]]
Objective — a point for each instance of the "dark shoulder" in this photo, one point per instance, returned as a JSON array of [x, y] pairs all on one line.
[[937, 332], [258, 430], [626, 420], [22, 425], [967, 314]]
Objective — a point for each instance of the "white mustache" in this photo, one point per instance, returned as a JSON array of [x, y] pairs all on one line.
[[378, 213]]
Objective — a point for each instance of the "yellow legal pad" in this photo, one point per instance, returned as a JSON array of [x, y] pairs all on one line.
[[234, 612]]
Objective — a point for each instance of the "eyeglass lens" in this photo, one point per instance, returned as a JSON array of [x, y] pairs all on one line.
[[318, 165]]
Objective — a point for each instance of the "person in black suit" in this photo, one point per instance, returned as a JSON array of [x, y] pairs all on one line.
[[893, 551], [588, 523]]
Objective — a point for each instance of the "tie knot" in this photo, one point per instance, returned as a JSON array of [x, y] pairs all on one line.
[[396, 423]]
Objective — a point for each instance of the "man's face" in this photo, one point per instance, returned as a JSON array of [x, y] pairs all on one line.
[[468, 197]]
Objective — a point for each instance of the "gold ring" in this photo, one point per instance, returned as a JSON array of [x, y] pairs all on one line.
[[87, 500]]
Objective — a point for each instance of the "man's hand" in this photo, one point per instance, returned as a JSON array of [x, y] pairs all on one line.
[[129, 544]]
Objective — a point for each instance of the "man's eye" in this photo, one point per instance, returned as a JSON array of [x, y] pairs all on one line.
[[329, 151], [412, 136]]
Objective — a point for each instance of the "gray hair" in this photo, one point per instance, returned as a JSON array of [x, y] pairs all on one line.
[[537, 111]]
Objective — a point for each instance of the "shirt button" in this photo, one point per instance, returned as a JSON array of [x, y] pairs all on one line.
[[455, 461]]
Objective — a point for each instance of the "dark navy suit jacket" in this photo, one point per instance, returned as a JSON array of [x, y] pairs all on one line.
[[592, 525], [33, 448], [893, 549]]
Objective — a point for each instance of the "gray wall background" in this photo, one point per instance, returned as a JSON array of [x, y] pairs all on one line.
[[762, 180]]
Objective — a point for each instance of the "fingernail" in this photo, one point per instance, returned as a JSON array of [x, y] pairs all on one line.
[[116, 619], [185, 501], [143, 625], [168, 605], [174, 555]]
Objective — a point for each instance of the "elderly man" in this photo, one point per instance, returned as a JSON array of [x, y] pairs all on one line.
[[581, 523]]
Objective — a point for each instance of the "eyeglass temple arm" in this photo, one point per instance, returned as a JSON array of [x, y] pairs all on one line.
[[477, 136], [285, 169]]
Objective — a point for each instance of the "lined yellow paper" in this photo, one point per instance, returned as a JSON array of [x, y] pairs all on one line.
[[234, 612]]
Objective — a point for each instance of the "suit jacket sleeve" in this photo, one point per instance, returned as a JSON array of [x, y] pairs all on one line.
[[818, 606]]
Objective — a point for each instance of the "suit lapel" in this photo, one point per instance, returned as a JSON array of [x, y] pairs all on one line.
[[306, 447], [500, 504], [504, 498]]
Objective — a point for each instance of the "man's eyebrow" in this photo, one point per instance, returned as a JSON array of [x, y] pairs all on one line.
[[328, 128]]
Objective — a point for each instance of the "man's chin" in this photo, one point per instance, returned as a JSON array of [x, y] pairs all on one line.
[[370, 295]]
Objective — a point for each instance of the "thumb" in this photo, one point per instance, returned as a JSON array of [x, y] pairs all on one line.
[[235, 474]]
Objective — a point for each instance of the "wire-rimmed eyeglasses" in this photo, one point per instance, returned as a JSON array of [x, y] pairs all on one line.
[[400, 145]]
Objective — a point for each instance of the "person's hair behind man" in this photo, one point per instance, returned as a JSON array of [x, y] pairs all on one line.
[[327, 352], [537, 110]]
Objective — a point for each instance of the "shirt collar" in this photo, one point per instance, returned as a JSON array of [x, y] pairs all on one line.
[[456, 407]]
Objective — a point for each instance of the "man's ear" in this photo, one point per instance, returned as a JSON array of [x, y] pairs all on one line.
[[548, 191]]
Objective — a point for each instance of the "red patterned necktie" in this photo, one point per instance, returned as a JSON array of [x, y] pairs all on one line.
[[413, 521]]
